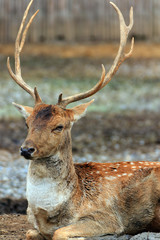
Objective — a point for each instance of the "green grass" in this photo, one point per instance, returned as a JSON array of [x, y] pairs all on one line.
[[120, 95], [126, 92]]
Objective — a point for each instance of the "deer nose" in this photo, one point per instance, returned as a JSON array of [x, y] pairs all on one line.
[[27, 152]]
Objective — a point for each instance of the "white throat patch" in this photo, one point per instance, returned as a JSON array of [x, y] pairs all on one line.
[[45, 193]]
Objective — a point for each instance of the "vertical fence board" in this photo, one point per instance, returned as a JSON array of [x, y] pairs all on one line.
[[75, 20]]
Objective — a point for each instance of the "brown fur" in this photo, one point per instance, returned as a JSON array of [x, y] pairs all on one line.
[[82, 200], [102, 198]]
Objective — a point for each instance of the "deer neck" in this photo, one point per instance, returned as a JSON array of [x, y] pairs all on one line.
[[58, 167]]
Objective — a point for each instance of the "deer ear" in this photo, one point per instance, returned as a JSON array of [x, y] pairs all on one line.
[[80, 110], [24, 110]]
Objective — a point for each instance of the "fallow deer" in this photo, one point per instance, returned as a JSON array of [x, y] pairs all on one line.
[[67, 200]]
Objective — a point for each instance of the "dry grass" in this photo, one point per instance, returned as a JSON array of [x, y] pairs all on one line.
[[141, 50]]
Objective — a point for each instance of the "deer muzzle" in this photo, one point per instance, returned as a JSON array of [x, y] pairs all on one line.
[[28, 149], [27, 152]]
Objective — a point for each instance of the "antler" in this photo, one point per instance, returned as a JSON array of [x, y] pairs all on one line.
[[19, 43], [121, 56]]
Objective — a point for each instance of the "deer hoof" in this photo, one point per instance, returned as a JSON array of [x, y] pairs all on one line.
[[33, 235]]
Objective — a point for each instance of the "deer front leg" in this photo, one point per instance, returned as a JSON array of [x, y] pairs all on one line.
[[81, 230], [34, 235]]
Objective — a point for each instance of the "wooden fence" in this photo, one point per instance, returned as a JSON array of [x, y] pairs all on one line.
[[79, 20]]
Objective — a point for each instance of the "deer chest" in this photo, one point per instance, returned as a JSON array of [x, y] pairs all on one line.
[[46, 194]]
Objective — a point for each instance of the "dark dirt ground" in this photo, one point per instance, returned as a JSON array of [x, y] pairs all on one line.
[[94, 131], [13, 227], [89, 135]]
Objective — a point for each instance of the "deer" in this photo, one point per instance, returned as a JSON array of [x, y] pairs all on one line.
[[80, 200]]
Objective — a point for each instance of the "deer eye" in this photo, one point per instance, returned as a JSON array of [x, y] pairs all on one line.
[[58, 129]]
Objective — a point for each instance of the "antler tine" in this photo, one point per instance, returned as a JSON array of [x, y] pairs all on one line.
[[19, 43], [121, 56], [64, 102]]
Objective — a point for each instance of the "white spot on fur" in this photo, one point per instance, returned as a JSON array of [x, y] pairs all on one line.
[[119, 175], [146, 163], [130, 174], [110, 178], [124, 174], [134, 167]]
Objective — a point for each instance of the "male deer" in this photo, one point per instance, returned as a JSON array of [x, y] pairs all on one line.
[[67, 200]]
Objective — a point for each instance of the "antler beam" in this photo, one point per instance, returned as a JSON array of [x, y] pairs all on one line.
[[19, 43], [121, 56]]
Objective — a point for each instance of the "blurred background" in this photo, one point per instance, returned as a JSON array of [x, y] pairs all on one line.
[[65, 47]]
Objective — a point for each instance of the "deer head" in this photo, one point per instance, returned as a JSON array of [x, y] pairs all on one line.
[[49, 125], [48, 128]]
